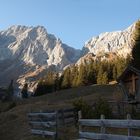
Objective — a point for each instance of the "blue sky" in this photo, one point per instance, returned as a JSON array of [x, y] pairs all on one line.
[[73, 21]]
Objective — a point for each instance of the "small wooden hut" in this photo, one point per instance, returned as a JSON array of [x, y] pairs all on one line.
[[130, 84]]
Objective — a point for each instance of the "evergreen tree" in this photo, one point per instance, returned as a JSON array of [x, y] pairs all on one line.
[[114, 73], [120, 65], [91, 73], [57, 82], [109, 70], [50, 82], [104, 78], [47, 84], [41, 88], [24, 91], [74, 73], [66, 83], [82, 76], [99, 76], [136, 47], [10, 91]]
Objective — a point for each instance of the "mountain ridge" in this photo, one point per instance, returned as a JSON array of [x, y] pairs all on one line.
[[31, 51], [117, 43]]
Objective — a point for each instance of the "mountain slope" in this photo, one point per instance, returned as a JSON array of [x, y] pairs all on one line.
[[34, 46], [108, 45], [25, 50]]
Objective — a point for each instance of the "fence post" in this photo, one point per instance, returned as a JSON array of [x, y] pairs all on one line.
[[75, 117], [129, 128], [80, 117], [56, 127], [63, 117], [40, 111], [102, 124]]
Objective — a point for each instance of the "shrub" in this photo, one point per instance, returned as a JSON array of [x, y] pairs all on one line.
[[102, 107], [87, 111], [90, 112]]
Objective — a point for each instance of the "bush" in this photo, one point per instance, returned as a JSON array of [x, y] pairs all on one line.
[[87, 111], [102, 107], [132, 111]]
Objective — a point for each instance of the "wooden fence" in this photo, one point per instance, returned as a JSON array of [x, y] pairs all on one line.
[[46, 123], [67, 116], [103, 123]]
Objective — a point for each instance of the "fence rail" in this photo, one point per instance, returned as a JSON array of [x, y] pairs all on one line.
[[46, 123], [99, 136], [103, 123], [67, 116], [111, 123]]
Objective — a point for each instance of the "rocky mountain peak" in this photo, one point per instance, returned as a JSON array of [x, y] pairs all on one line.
[[31, 50], [33, 45], [118, 43]]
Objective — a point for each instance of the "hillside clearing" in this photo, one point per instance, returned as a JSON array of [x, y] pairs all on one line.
[[14, 122]]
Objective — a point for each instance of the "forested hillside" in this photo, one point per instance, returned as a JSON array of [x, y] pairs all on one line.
[[96, 72]]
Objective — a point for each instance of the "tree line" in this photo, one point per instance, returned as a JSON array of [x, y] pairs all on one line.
[[95, 72]]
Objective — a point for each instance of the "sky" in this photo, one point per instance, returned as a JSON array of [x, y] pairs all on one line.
[[73, 21]]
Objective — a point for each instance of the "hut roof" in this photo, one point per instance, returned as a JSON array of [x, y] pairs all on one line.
[[127, 70]]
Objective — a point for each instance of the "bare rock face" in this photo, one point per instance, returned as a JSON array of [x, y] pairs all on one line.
[[117, 43], [34, 46], [26, 53]]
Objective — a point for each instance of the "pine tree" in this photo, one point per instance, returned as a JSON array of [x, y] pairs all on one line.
[[24, 91], [120, 65], [136, 46], [41, 88], [105, 78], [82, 76], [91, 73], [99, 76], [109, 70], [50, 82], [10, 91], [66, 83], [114, 73], [74, 73], [47, 84], [57, 82], [102, 77]]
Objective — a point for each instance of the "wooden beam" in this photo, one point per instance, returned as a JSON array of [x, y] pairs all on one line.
[[43, 132], [45, 124], [42, 114], [97, 136], [111, 123]]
